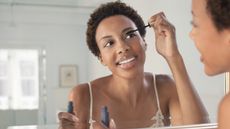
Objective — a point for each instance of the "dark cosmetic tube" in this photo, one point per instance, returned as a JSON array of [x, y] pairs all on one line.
[[70, 107], [105, 116]]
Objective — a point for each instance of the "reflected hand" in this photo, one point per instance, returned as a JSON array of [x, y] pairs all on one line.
[[68, 121], [100, 125], [164, 36]]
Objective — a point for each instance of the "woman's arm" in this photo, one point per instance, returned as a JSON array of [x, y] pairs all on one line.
[[191, 107], [186, 101]]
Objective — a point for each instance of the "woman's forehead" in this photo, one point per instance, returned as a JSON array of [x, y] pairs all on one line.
[[117, 21]]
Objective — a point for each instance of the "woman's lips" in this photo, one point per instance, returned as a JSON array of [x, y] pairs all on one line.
[[127, 63]]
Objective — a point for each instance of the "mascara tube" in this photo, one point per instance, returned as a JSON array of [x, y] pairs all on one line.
[[70, 107], [105, 116]]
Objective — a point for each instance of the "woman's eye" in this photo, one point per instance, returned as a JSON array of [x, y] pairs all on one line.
[[108, 43], [193, 24], [130, 34]]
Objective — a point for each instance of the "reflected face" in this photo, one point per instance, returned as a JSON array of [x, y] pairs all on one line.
[[121, 49], [211, 43]]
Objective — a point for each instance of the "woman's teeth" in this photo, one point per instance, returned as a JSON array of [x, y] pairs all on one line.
[[127, 61]]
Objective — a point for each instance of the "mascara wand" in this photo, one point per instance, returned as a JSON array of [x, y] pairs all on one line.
[[148, 25]]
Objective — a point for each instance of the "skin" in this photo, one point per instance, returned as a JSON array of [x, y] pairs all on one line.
[[214, 47], [134, 98], [212, 44]]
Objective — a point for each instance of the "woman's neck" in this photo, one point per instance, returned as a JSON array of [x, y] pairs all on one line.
[[129, 91]]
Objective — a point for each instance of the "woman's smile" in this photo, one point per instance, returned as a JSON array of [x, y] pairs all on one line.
[[127, 63]]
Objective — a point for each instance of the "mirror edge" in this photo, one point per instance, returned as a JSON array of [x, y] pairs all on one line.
[[196, 126], [227, 82]]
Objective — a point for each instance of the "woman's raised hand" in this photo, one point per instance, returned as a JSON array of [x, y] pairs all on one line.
[[165, 36]]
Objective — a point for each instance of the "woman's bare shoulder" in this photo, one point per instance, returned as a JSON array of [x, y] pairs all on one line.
[[224, 112], [166, 85], [225, 103], [82, 90], [164, 80]]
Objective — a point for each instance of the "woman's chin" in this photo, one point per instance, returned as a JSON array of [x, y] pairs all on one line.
[[211, 72]]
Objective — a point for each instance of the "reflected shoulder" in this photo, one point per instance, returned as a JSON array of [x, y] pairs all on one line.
[[165, 80], [224, 113], [225, 103], [80, 89]]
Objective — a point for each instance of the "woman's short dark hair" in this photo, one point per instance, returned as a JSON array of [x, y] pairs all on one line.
[[219, 10], [107, 10]]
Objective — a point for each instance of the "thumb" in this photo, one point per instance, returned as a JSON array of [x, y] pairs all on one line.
[[67, 116], [112, 124]]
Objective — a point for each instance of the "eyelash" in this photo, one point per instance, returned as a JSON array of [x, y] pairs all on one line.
[[131, 34], [108, 43], [193, 24]]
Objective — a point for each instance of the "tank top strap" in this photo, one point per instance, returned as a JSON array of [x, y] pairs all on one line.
[[156, 92], [158, 116], [91, 106]]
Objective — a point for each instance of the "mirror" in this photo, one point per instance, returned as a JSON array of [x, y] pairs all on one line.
[[58, 28], [227, 82]]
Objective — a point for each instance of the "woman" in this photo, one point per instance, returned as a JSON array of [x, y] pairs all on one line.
[[135, 99], [211, 34]]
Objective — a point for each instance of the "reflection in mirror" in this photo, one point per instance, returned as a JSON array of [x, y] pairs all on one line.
[[59, 27], [199, 126]]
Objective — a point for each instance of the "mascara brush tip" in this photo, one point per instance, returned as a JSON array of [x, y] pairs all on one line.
[[148, 25]]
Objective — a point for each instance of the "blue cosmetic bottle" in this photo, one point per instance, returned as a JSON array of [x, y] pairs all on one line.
[[105, 116]]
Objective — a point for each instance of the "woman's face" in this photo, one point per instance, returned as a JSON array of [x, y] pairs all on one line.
[[212, 44], [121, 49]]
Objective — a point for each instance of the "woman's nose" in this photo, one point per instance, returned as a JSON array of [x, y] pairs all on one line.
[[123, 48]]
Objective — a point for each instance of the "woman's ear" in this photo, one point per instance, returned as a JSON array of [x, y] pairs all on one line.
[[101, 60], [228, 37], [226, 34], [145, 44]]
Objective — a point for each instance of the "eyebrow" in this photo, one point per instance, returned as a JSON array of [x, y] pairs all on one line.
[[105, 37], [123, 31], [127, 29]]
